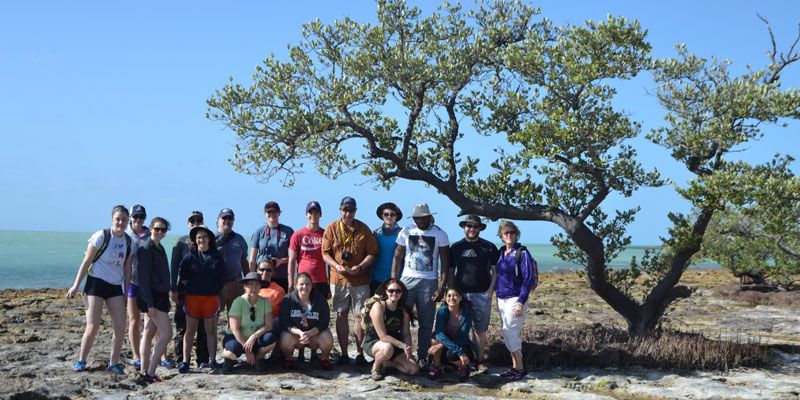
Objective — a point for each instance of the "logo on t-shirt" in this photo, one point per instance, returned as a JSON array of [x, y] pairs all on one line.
[[469, 253]]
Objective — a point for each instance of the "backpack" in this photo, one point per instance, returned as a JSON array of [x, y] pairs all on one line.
[[366, 321], [518, 257], [104, 246]]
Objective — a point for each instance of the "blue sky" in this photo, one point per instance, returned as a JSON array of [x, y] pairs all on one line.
[[104, 103]]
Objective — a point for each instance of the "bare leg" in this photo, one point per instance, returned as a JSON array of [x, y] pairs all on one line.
[[134, 328], [116, 308], [188, 338], [211, 338], [94, 307], [481, 341], [516, 361], [359, 333], [288, 341], [146, 345], [164, 330], [343, 331]]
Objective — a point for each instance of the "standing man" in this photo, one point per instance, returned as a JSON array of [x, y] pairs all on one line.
[[305, 252], [349, 247], [139, 232], [271, 241], [234, 251], [178, 294], [421, 248], [474, 260]]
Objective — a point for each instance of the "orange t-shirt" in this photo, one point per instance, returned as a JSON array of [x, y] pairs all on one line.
[[274, 293]]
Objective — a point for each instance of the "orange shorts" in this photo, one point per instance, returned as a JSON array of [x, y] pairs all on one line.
[[201, 307]]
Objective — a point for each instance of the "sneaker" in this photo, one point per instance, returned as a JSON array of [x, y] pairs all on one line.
[[151, 378], [434, 372], [137, 364], [227, 366], [325, 364], [79, 366], [167, 363], [508, 372], [377, 375], [115, 369], [360, 360], [463, 374], [203, 365], [183, 368], [517, 374], [343, 360]]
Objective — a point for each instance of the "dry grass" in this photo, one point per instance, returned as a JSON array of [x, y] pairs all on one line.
[[601, 347], [759, 295]]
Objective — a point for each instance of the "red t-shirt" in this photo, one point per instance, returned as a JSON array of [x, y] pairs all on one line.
[[308, 247]]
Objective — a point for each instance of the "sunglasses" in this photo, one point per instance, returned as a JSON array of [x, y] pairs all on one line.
[[252, 313], [159, 230], [227, 218], [139, 217], [506, 233], [270, 212], [393, 291], [470, 226], [349, 210], [265, 270], [195, 220], [389, 214]]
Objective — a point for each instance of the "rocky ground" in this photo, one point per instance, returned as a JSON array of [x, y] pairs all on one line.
[[40, 334]]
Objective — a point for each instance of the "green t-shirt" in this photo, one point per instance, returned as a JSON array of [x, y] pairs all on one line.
[[241, 308]]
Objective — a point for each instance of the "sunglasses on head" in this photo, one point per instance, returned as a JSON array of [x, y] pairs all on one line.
[[159, 229], [252, 313], [394, 291], [265, 270]]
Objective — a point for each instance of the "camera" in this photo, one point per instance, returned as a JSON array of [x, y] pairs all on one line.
[[347, 256]]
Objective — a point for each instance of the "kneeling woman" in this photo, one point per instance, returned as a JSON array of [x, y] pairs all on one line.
[[251, 333], [203, 271], [451, 332], [304, 318], [153, 298], [388, 338]]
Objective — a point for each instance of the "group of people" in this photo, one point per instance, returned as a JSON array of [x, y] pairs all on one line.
[[276, 292]]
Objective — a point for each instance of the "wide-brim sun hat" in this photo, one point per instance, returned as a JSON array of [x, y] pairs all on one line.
[[390, 205], [193, 234], [472, 219], [421, 210]]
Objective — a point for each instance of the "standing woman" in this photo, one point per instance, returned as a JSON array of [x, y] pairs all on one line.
[[386, 235], [139, 233], [153, 298], [388, 337], [517, 276], [451, 335], [108, 264], [304, 318], [203, 271]]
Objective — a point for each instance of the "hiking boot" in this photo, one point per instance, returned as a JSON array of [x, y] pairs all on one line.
[[377, 375], [227, 366]]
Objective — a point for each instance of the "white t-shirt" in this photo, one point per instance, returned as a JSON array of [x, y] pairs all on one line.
[[110, 267], [422, 251]]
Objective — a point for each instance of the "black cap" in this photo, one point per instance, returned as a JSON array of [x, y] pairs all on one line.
[[348, 202], [271, 205], [225, 212], [313, 205], [138, 211], [195, 214]]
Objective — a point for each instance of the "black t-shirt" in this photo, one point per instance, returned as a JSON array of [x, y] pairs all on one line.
[[392, 321], [473, 261]]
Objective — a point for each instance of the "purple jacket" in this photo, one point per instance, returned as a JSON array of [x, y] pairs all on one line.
[[511, 283]]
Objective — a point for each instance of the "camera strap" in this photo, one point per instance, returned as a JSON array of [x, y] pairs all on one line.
[[348, 237]]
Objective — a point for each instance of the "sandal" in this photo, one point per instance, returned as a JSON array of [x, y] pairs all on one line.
[[434, 372]]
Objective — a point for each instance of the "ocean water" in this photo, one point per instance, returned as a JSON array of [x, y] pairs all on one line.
[[51, 259]]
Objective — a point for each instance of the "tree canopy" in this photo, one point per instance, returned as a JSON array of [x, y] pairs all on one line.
[[542, 92]]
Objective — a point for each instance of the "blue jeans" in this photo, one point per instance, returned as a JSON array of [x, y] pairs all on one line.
[[420, 292]]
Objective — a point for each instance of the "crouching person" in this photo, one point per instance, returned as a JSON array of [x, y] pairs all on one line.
[[453, 325], [388, 337], [249, 327], [304, 318]]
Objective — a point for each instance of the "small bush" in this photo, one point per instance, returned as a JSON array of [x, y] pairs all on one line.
[[602, 347], [759, 295]]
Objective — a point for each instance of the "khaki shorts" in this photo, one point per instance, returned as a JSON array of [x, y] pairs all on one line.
[[349, 297]]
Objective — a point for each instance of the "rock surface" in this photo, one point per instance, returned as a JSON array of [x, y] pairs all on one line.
[[40, 334]]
